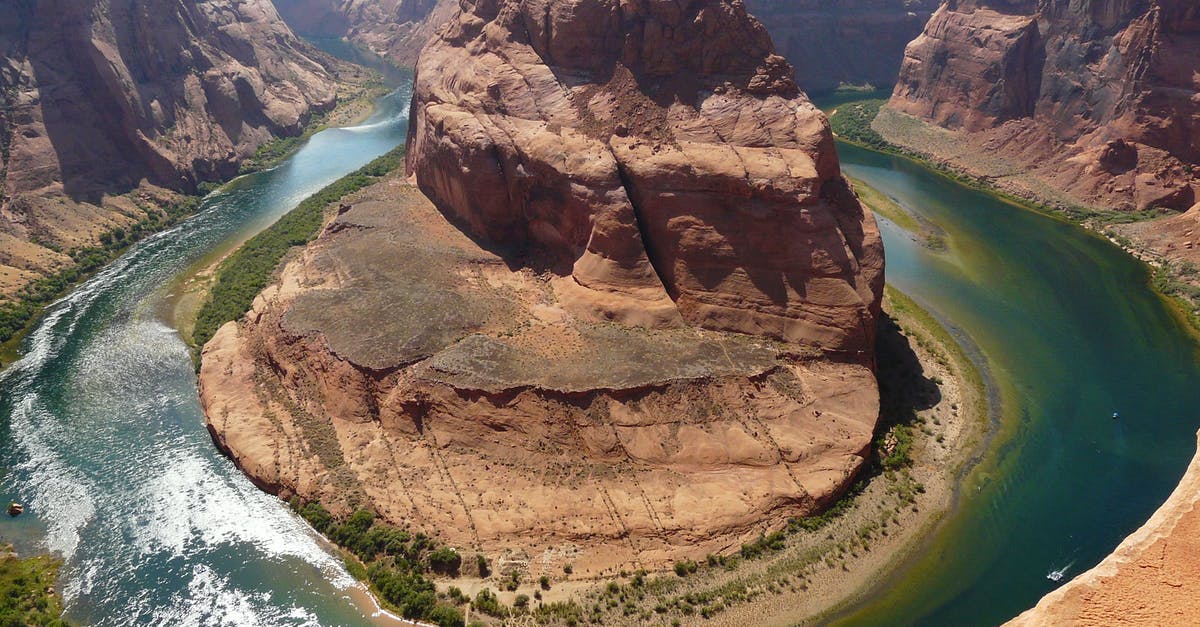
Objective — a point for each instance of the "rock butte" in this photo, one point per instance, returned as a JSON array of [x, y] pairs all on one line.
[[1093, 98], [98, 98], [628, 316], [1151, 579]]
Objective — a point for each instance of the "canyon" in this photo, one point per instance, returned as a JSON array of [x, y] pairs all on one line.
[[1077, 104], [394, 30], [843, 42], [108, 111], [629, 271]]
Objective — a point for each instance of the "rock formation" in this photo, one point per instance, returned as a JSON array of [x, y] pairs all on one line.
[[395, 30], [1151, 579], [835, 42], [1093, 98], [628, 316], [98, 98]]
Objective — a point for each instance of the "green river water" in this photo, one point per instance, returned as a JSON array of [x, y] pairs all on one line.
[[1072, 334], [102, 437]]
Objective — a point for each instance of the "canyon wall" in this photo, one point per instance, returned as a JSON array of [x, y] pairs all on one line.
[[851, 42], [1090, 98], [626, 317], [100, 98], [395, 30]]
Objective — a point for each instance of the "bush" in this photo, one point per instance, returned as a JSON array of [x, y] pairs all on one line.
[[685, 568], [482, 564], [446, 561], [521, 602], [487, 603], [544, 582]]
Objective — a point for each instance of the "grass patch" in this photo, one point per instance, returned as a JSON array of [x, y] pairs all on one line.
[[394, 562], [25, 591], [249, 270]]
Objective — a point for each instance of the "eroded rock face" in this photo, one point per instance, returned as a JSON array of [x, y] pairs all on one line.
[[627, 318], [393, 29], [1094, 96], [99, 97], [835, 42], [660, 155]]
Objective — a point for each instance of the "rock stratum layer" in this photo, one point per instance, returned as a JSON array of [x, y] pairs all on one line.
[[635, 323], [98, 98], [1153, 578], [395, 30], [1094, 98], [850, 42]]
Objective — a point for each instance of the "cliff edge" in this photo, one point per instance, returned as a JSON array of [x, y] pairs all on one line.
[[1152, 578]]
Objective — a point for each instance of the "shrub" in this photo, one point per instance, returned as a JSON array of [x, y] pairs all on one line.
[[446, 561], [544, 582]]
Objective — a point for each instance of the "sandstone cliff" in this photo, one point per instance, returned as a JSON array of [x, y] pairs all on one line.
[[835, 42], [1090, 98], [395, 30], [98, 98], [1151, 579], [635, 323]]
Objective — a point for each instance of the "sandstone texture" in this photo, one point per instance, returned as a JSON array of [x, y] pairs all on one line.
[[843, 42], [1094, 99], [395, 30], [628, 316], [1153, 578], [98, 98]]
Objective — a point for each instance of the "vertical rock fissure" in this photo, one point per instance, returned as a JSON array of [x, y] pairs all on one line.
[[639, 219]]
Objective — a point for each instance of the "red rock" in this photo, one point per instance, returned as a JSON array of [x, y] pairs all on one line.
[[393, 29], [659, 154], [1079, 92]]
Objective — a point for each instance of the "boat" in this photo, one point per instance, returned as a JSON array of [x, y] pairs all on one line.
[[1056, 575]]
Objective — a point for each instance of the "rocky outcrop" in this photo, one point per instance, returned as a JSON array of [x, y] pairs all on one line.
[[1151, 579], [843, 42], [662, 158], [395, 30], [102, 97], [1091, 98], [628, 317]]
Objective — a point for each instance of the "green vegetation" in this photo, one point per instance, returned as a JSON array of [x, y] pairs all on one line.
[[246, 272], [852, 123], [396, 562], [16, 315], [27, 592]]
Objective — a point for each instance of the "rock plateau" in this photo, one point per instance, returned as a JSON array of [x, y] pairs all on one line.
[[98, 98], [626, 316]]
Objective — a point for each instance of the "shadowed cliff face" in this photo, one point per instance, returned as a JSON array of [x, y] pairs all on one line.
[[659, 154], [1105, 86], [100, 97], [393, 29], [109, 93], [832, 42]]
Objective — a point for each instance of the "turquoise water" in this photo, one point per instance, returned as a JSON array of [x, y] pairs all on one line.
[[1072, 334], [104, 441]]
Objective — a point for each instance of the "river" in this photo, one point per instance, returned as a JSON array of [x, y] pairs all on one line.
[[103, 437], [1072, 333], [104, 442]]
